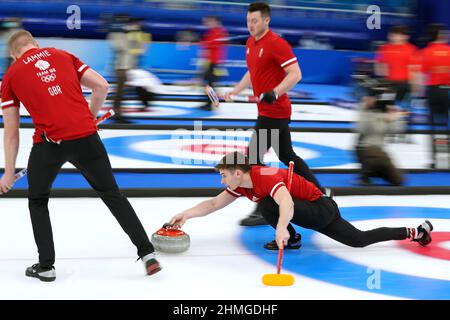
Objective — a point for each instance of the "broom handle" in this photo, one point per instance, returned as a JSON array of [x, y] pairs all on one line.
[[238, 98], [280, 260], [104, 117], [290, 174], [20, 174], [289, 184]]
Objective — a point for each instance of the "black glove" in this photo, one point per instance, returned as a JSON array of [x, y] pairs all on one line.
[[268, 97]]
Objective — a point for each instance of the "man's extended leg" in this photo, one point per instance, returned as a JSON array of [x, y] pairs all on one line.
[[91, 159], [44, 164]]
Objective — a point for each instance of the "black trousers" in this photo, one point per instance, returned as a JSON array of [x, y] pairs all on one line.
[[209, 78], [145, 96], [402, 89], [270, 132], [323, 216], [89, 156], [375, 162], [121, 78], [439, 107]]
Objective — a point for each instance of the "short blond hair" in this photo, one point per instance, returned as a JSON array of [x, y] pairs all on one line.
[[20, 39]]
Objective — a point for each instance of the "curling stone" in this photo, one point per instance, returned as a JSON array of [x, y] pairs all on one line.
[[170, 240]]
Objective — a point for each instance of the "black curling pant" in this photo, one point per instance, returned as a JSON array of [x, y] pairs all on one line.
[[323, 216], [89, 156]]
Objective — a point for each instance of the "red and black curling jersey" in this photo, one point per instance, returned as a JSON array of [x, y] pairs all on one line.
[[266, 60], [267, 180], [398, 59], [435, 63], [214, 45]]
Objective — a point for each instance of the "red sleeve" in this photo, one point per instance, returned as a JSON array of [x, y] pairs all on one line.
[[283, 53], [79, 65], [9, 99], [276, 187], [379, 57]]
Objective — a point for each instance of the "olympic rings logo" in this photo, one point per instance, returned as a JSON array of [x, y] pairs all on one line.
[[49, 78]]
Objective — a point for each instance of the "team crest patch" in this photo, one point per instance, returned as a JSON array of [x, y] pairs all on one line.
[[42, 65]]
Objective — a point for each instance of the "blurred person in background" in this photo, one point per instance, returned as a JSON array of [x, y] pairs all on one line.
[[435, 75], [376, 119], [145, 84], [213, 51], [395, 62], [362, 73], [186, 37], [122, 60], [143, 81], [128, 42]]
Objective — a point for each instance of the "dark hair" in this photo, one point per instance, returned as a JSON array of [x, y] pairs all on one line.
[[433, 31], [232, 161], [400, 29], [262, 7]]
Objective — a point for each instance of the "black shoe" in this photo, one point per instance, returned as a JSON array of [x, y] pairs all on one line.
[[425, 229], [152, 265], [294, 244], [254, 219], [43, 274]]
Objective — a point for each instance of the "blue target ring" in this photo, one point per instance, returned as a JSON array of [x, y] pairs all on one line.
[[311, 261], [121, 146]]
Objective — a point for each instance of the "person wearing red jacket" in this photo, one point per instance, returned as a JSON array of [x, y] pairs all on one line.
[[305, 205], [435, 66], [213, 51], [47, 82], [395, 60], [395, 63]]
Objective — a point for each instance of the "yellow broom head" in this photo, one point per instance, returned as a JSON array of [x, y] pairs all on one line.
[[278, 279]]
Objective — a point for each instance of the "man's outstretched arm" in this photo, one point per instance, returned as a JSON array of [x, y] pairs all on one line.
[[203, 208]]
